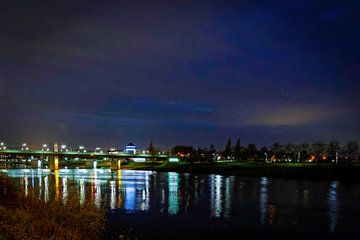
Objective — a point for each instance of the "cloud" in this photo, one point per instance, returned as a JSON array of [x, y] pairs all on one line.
[[295, 115]]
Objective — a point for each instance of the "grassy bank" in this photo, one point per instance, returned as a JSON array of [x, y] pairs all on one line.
[[308, 171], [28, 217]]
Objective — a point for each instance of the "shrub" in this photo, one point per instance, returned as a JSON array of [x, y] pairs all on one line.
[[28, 217]]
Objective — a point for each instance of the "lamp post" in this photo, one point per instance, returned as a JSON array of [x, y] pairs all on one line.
[[24, 147], [2, 146]]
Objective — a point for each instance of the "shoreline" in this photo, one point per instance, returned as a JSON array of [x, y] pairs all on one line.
[[296, 171], [312, 172]]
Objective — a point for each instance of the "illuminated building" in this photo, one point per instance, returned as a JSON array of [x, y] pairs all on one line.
[[130, 148]]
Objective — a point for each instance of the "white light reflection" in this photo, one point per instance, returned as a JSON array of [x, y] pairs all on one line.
[[263, 198], [130, 198], [46, 186], [215, 196], [112, 195], [218, 196], [173, 183], [97, 200], [40, 183], [228, 186], [32, 179], [65, 189], [333, 202], [82, 191], [26, 186], [145, 204]]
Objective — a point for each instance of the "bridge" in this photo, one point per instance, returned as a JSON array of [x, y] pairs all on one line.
[[54, 156]]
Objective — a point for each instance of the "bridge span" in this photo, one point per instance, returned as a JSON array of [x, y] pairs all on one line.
[[37, 156]]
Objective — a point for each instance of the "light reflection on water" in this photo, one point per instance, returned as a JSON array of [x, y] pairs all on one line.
[[333, 204], [263, 198], [252, 200]]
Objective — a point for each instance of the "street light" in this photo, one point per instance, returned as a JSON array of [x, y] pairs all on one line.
[[44, 147], [23, 147], [63, 147], [82, 149]]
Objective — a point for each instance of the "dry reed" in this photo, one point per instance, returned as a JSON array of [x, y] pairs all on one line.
[[28, 217]]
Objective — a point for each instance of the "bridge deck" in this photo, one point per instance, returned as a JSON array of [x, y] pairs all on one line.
[[79, 154]]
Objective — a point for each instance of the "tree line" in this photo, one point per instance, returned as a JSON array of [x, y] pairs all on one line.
[[319, 151]]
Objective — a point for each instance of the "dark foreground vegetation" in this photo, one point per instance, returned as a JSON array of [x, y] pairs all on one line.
[[309, 171], [28, 217]]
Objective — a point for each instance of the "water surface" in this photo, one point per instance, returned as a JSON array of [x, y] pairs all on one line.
[[182, 205]]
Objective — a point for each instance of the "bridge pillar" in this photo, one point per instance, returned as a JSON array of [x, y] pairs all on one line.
[[54, 163], [36, 163], [115, 165]]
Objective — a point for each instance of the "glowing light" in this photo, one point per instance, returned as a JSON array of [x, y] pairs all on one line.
[[173, 182], [57, 191], [173, 159], [139, 159]]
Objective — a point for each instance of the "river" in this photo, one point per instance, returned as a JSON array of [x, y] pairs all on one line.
[[181, 205]]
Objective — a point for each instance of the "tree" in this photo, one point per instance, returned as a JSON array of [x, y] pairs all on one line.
[[332, 148], [212, 153], [237, 150], [318, 149], [212, 148], [184, 152], [276, 148], [228, 149], [151, 148], [251, 152], [351, 150], [304, 151], [264, 153], [289, 151]]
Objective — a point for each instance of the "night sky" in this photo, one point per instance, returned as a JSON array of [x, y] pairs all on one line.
[[179, 72]]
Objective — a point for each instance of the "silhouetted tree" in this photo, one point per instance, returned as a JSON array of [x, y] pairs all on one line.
[[151, 148], [228, 149], [304, 152], [332, 148], [277, 150], [251, 152], [318, 148], [289, 150], [237, 150], [264, 151], [351, 150], [212, 153], [186, 153]]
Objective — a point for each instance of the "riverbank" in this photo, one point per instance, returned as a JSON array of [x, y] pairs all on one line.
[[306, 171], [27, 217]]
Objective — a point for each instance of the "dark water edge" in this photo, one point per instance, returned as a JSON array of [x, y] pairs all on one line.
[[312, 171], [161, 226]]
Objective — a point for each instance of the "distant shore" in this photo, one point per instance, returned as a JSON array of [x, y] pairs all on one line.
[[305, 171], [301, 171]]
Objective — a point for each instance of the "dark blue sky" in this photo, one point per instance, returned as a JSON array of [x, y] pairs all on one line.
[[179, 72]]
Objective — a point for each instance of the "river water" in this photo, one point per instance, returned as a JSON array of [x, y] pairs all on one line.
[[169, 205]]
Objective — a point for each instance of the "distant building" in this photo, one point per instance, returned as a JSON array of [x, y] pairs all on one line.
[[130, 148]]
